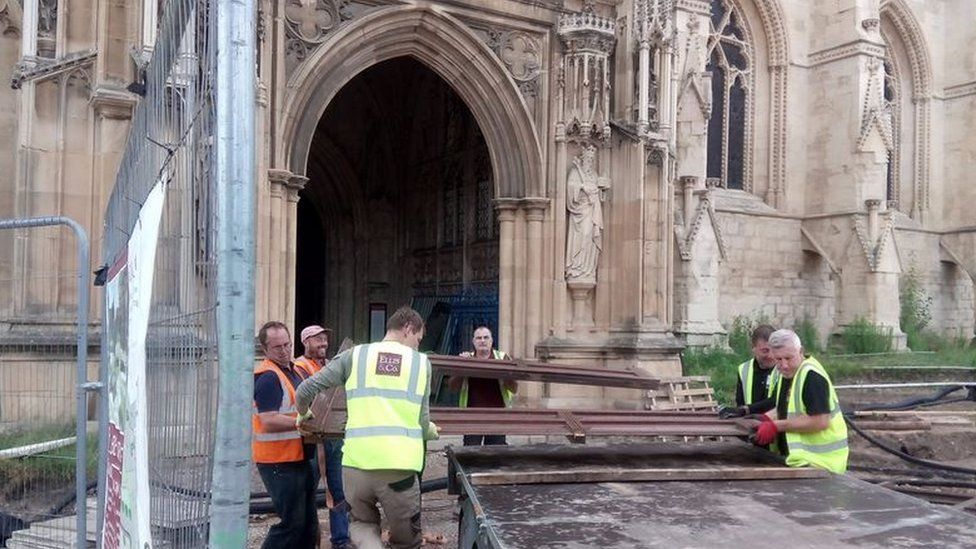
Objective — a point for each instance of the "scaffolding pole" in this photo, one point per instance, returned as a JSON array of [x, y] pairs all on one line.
[[235, 184]]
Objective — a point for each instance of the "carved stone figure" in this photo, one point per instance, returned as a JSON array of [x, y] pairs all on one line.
[[584, 197]]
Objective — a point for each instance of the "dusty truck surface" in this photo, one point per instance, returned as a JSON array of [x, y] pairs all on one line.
[[713, 494]]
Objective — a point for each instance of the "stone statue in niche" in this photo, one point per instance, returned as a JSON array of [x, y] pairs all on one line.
[[585, 192]]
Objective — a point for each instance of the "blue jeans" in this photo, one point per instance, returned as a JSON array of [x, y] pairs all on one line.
[[292, 490], [339, 514]]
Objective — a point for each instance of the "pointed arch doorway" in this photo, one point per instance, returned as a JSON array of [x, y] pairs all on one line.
[[398, 210], [446, 47]]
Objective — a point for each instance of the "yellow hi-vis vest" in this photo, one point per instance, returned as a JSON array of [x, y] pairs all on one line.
[[825, 449], [506, 394], [745, 377], [384, 393]]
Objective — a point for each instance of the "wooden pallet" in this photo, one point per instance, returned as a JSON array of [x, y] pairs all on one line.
[[686, 394], [682, 394]]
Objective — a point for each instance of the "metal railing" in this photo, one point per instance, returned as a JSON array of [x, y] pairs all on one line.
[[35, 418]]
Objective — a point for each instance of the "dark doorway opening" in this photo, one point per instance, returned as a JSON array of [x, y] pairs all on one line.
[[398, 210]]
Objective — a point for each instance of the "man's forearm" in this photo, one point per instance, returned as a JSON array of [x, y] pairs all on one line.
[[762, 406], [803, 424], [275, 422]]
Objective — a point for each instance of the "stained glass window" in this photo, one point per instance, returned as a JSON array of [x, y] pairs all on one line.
[[730, 63]]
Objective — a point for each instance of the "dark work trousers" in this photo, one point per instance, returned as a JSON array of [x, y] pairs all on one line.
[[486, 440], [292, 490], [338, 515]]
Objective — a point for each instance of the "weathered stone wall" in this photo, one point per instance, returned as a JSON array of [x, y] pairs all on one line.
[[769, 271], [943, 281]]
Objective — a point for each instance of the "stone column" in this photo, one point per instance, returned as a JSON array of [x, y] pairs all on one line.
[[535, 213], [506, 208], [28, 39], [278, 228], [295, 184]]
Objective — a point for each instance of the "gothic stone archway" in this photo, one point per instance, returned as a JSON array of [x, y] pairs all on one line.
[[398, 209], [454, 53]]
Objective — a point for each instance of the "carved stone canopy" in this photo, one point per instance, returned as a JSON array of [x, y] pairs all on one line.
[[587, 32]]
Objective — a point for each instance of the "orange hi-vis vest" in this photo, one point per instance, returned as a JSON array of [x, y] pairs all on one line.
[[284, 446], [310, 365]]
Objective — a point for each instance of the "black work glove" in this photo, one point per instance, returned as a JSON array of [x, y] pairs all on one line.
[[729, 412]]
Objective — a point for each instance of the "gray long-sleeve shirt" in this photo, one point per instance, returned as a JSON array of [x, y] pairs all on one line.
[[338, 370]]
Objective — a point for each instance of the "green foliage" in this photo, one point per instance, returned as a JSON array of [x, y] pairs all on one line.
[[861, 337], [740, 334], [809, 335], [916, 309], [55, 468], [719, 364]]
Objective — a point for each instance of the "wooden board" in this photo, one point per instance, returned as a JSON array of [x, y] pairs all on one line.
[[644, 475]]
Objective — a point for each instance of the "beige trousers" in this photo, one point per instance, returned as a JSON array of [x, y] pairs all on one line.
[[397, 492]]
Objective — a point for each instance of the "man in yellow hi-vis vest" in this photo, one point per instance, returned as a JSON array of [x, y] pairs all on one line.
[[756, 376], [482, 392], [808, 428], [388, 419]]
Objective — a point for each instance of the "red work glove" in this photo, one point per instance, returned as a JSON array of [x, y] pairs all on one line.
[[765, 433]]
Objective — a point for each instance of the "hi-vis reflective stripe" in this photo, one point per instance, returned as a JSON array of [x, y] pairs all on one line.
[[361, 367], [383, 431], [273, 437], [745, 377], [819, 448], [290, 409], [833, 412], [414, 375], [393, 394], [360, 390]]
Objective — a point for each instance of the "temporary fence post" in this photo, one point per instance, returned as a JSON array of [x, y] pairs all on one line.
[[236, 188]]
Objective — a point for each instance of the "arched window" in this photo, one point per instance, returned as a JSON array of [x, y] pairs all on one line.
[[907, 96], [891, 96], [730, 61]]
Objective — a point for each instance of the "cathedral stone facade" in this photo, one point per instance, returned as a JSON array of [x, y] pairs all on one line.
[[617, 177]]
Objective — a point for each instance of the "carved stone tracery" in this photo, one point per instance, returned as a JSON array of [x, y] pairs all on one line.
[[521, 53], [308, 23]]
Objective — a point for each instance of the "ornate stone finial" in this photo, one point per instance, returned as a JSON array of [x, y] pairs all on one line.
[[653, 21]]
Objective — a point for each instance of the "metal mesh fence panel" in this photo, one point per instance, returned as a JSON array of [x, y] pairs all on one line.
[[39, 384], [170, 144]]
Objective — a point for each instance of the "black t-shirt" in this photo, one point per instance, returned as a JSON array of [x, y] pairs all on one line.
[[816, 399], [760, 378], [267, 395]]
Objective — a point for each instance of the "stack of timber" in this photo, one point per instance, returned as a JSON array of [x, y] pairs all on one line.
[[577, 425], [532, 370]]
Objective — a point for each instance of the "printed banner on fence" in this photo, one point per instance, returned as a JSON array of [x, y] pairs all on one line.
[[128, 297]]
